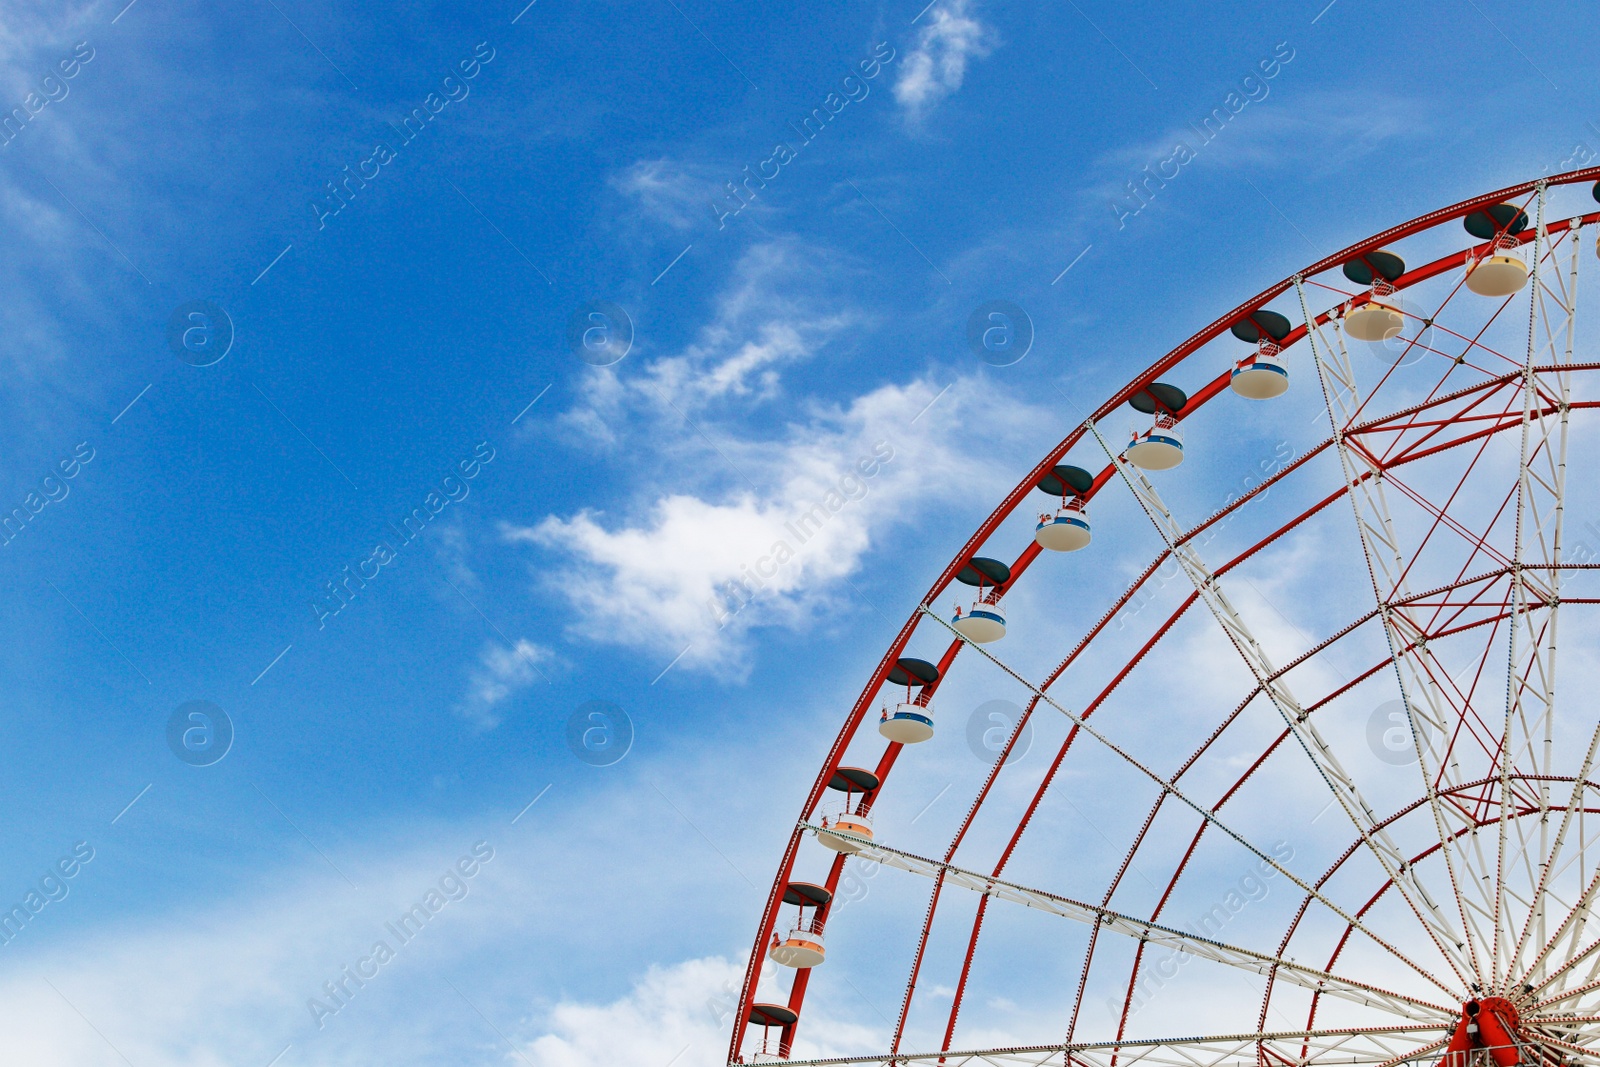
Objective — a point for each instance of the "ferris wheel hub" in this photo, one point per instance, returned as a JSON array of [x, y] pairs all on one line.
[[1488, 1024]]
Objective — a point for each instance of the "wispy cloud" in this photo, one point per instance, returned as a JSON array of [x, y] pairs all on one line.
[[936, 66], [677, 1015], [501, 673], [50, 248], [451, 547], [197, 986], [25, 28], [760, 495], [702, 569], [670, 191], [764, 323]]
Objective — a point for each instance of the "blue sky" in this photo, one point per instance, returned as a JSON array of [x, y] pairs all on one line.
[[382, 351]]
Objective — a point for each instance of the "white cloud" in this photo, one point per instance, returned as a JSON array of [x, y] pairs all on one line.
[[201, 987], [1264, 136], [786, 505], [207, 976], [937, 65], [47, 236], [450, 547], [671, 1012], [817, 502], [679, 1014], [218, 966], [666, 190], [500, 674], [25, 30], [760, 327]]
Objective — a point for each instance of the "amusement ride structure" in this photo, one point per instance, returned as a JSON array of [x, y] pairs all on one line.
[[1456, 864]]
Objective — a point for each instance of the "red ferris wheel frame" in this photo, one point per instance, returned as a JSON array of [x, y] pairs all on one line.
[[1015, 498]]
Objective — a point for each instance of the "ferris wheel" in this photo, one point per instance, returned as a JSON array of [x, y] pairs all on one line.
[[1339, 678]]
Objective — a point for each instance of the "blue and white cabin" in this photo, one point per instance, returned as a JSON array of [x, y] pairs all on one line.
[[1265, 373], [1067, 530], [985, 621], [911, 722], [1159, 448]]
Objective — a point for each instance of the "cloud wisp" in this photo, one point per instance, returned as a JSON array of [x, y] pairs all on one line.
[[693, 573], [501, 673], [937, 65], [758, 501]]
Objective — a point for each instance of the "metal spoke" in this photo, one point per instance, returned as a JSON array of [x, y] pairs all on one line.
[[1199, 809], [1535, 924], [1377, 1046], [1145, 931], [1416, 671], [1541, 485], [1530, 666], [1571, 930], [1208, 586]]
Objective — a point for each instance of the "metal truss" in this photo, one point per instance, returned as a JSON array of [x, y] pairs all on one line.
[[1438, 725], [1378, 1046], [1145, 931], [1275, 686], [1210, 816]]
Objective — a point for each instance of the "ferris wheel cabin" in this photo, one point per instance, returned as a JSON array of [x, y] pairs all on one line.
[[1378, 319], [986, 620], [801, 944], [1159, 448], [912, 721], [1503, 272], [768, 1016], [1067, 530], [847, 824], [1264, 374]]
